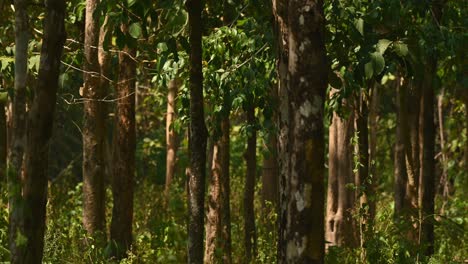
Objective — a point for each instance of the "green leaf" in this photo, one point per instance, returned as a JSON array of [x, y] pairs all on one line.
[[382, 45], [131, 2], [135, 30], [369, 70], [3, 97], [400, 48], [359, 24], [378, 62]]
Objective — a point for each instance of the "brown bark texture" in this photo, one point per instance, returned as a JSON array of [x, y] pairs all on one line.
[[301, 141], [124, 155], [427, 145], [340, 225], [18, 129], [373, 131], [39, 132], [250, 156], [218, 225], [427, 174], [94, 128], [171, 135], [197, 137], [270, 161], [3, 142]]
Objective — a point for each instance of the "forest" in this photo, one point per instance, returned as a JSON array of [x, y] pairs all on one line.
[[234, 131]]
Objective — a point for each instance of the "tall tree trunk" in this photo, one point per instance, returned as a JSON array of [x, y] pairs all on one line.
[[40, 125], [218, 234], [400, 173], [413, 93], [94, 128], [104, 85], [444, 183], [362, 176], [171, 136], [406, 158], [270, 160], [466, 131], [250, 155], [340, 226], [3, 142], [301, 148], [427, 175], [218, 226], [373, 130], [124, 154], [427, 141], [198, 137], [18, 131]]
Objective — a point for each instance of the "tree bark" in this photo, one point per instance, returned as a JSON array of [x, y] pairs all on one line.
[[104, 84], [466, 131], [198, 137], [373, 130], [94, 128], [401, 176], [40, 124], [427, 145], [340, 226], [413, 93], [3, 142], [270, 161], [250, 155], [301, 142], [171, 135], [124, 154], [427, 175], [218, 226], [18, 131], [362, 175]]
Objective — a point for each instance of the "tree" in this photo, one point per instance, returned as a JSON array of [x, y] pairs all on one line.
[[340, 223], [39, 133], [250, 156], [301, 140], [18, 130], [124, 150], [197, 137], [427, 142], [94, 127], [218, 226], [171, 136]]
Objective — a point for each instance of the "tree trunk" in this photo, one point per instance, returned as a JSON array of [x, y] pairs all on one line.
[[171, 136], [373, 130], [301, 142], [413, 93], [94, 128], [40, 124], [401, 176], [427, 145], [3, 142], [270, 161], [198, 137], [362, 176], [340, 227], [218, 226], [104, 84], [250, 155], [444, 183], [427, 175], [124, 154], [466, 132], [18, 131]]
